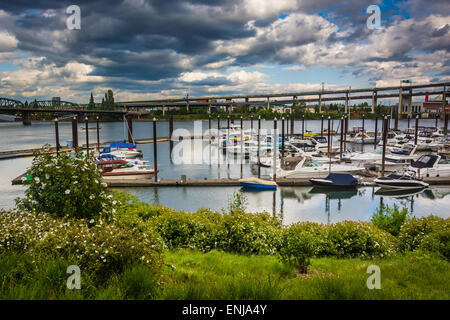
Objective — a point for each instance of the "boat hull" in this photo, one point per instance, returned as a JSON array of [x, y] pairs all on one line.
[[330, 184], [398, 184], [252, 185]]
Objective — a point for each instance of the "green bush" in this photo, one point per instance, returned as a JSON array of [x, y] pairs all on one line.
[[390, 219], [300, 242], [66, 186], [188, 230], [250, 233], [359, 239], [427, 233], [102, 249]]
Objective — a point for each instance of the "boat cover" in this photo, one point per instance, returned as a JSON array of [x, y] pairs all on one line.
[[425, 161], [122, 145], [342, 178], [107, 156]]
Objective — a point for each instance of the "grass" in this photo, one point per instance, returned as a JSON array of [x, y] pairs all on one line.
[[217, 275]]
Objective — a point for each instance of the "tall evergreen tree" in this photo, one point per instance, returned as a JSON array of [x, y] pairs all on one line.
[[91, 104]]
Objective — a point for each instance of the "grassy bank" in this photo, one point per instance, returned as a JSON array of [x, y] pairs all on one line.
[[192, 274]]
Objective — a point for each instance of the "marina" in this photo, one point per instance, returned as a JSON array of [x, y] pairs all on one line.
[[221, 170]]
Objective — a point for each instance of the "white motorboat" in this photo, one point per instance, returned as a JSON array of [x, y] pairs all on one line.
[[406, 180], [431, 166], [301, 167]]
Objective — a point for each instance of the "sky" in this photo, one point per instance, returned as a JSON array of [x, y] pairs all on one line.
[[156, 49]]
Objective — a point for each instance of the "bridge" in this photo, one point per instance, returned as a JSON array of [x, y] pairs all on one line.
[[12, 106], [403, 92]]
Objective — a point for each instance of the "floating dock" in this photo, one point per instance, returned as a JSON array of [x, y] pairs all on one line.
[[366, 181]]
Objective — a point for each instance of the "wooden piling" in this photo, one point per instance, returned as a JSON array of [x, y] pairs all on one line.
[[446, 122], [345, 131], [57, 136], [341, 142], [282, 137], [155, 150], [171, 126], [321, 127], [98, 136], [416, 131], [292, 122], [363, 131], [376, 134], [303, 127], [130, 129], [259, 146], [383, 157], [329, 136], [275, 147], [75, 133], [86, 123]]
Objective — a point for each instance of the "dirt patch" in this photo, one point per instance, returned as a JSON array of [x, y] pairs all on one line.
[[315, 274]]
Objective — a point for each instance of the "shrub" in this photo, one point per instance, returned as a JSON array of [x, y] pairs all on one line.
[[390, 219], [257, 233], [102, 249], [66, 186], [300, 242], [359, 239], [237, 203], [188, 230], [427, 233]]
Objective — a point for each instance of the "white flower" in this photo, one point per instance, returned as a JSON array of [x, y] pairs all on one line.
[[67, 191], [37, 180]]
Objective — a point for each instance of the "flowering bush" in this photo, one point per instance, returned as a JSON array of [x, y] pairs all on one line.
[[300, 242], [102, 249], [359, 239], [390, 219], [66, 186], [428, 233]]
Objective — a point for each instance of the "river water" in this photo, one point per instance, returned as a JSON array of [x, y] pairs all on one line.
[[294, 203]]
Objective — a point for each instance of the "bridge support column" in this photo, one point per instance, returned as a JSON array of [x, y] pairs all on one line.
[[209, 106], [26, 118], [164, 111], [374, 101], [268, 103]]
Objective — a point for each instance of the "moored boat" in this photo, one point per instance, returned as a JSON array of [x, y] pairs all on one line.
[[256, 183], [406, 180], [340, 180]]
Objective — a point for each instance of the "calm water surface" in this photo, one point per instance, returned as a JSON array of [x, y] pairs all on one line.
[[294, 203]]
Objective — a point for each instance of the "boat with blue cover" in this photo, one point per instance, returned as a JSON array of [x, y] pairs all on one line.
[[256, 183], [341, 180]]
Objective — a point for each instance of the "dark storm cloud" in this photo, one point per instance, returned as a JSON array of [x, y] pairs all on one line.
[[134, 40]]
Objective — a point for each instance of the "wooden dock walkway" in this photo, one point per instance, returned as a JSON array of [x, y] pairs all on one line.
[[366, 181]]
